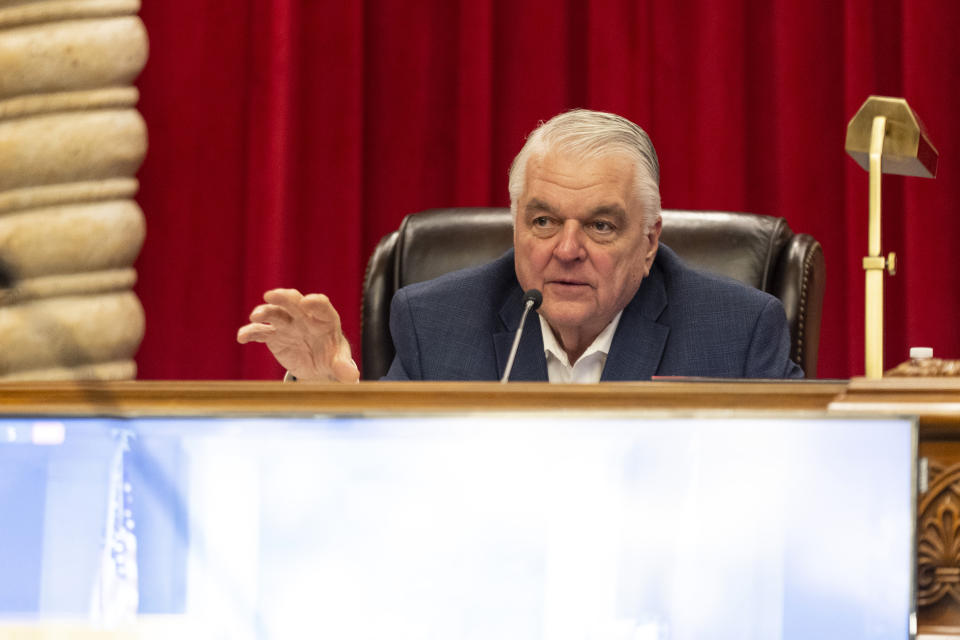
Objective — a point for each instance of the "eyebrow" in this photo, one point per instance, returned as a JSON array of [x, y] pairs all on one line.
[[612, 210], [538, 205], [615, 211]]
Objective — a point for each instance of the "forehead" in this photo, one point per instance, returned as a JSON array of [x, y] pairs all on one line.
[[567, 175]]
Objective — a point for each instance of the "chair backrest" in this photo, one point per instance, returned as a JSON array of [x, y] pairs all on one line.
[[758, 250]]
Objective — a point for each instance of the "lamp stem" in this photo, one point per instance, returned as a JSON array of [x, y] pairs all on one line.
[[874, 264]]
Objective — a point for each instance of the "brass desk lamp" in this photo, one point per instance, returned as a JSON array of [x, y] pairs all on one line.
[[885, 136]]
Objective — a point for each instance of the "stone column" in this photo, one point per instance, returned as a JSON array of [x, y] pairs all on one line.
[[71, 141]]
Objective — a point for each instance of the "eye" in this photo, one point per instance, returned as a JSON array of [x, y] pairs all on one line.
[[602, 226], [541, 221]]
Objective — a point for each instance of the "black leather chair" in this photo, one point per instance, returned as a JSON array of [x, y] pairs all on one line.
[[758, 250]]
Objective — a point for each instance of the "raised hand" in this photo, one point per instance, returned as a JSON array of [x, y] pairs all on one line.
[[304, 335]]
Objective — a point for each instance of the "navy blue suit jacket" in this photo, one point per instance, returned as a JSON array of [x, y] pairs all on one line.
[[681, 322]]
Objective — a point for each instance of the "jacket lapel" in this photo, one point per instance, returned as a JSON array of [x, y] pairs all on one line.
[[637, 346], [639, 341], [529, 364]]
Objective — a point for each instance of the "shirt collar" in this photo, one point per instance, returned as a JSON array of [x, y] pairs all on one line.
[[600, 344]]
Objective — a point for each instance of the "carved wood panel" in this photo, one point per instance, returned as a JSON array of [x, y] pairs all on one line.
[[938, 540]]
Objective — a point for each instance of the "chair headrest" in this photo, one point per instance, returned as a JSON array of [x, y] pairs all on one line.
[[737, 245]]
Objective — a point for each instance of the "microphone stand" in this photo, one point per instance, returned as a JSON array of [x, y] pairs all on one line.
[[531, 300]]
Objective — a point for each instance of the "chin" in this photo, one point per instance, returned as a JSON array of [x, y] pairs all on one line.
[[563, 317]]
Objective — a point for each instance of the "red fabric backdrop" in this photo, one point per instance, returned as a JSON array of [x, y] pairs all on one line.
[[287, 137]]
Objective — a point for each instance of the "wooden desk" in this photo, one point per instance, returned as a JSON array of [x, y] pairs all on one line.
[[247, 397], [936, 403]]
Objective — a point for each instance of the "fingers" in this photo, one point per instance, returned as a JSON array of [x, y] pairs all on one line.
[[255, 332], [286, 298], [315, 306], [282, 294], [270, 313], [287, 314], [345, 369], [318, 307]]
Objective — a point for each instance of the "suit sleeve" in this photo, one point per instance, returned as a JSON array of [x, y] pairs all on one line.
[[406, 362], [768, 355]]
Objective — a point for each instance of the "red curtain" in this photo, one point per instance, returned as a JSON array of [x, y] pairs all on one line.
[[288, 136]]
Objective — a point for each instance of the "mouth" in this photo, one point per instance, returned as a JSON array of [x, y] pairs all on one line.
[[567, 285]]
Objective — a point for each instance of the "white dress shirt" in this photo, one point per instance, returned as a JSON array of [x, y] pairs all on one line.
[[588, 367]]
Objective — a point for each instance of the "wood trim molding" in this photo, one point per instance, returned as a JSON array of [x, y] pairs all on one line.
[[247, 397]]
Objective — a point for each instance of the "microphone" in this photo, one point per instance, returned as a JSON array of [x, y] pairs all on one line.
[[532, 300]]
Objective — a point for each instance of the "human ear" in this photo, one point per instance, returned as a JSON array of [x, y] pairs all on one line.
[[653, 240]]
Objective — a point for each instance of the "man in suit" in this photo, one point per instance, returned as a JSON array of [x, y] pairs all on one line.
[[616, 305]]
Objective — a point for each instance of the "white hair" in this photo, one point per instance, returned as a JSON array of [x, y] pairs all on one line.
[[590, 134]]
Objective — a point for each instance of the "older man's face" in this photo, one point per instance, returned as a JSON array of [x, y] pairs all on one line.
[[579, 238]]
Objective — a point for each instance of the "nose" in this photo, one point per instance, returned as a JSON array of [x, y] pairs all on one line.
[[569, 245]]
